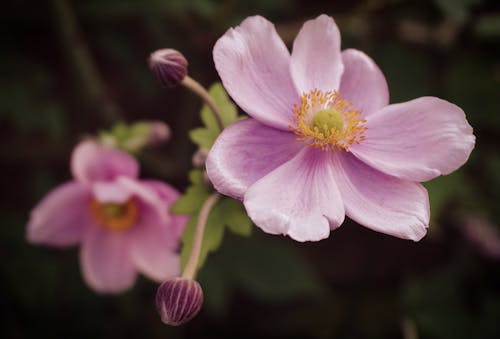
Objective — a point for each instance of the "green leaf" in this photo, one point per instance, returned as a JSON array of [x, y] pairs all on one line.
[[208, 119], [225, 105], [196, 176], [203, 137], [191, 201], [235, 217]]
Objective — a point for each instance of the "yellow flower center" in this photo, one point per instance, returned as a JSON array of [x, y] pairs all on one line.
[[113, 216], [329, 118], [326, 121]]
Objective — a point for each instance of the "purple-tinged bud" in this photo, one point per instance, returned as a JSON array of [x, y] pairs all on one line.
[[168, 66], [178, 300], [199, 158], [158, 132]]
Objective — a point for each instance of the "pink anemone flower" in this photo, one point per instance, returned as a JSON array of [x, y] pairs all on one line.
[[322, 141], [122, 223]]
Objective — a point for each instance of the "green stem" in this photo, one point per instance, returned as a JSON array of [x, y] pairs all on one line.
[[81, 61], [192, 264], [199, 90]]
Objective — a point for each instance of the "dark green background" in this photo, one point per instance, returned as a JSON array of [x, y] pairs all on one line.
[[357, 283]]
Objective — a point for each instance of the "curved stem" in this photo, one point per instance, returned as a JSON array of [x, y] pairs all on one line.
[[192, 264], [78, 54], [199, 90]]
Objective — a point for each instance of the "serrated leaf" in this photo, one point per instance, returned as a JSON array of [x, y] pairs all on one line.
[[191, 201], [203, 137], [235, 217], [208, 119]]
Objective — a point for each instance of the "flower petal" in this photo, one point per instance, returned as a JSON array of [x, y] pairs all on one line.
[[245, 152], [363, 83], [300, 198], [253, 63], [110, 191], [383, 203], [169, 195], [147, 194], [154, 245], [61, 217], [316, 62], [105, 260], [91, 161], [417, 140]]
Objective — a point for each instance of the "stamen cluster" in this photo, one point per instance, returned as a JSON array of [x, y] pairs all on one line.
[[327, 137], [116, 217]]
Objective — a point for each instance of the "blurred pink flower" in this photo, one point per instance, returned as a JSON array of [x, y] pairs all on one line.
[[122, 223], [322, 140]]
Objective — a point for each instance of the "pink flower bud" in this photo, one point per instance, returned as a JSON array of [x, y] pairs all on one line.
[[199, 157], [158, 132], [168, 66], [178, 300]]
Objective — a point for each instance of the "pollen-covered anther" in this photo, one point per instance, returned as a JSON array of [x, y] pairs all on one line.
[[325, 120]]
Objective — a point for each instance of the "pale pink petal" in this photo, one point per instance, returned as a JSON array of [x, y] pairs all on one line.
[[383, 203], [110, 191], [417, 140], [105, 260], [245, 152], [169, 195], [154, 246], [316, 62], [61, 217], [91, 161], [363, 83], [253, 63], [147, 194], [300, 198]]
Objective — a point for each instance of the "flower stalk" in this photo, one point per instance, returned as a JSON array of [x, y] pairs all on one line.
[[192, 264], [199, 90], [80, 59]]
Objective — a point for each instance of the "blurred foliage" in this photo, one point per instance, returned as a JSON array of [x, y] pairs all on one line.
[[29, 109], [252, 264], [356, 284]]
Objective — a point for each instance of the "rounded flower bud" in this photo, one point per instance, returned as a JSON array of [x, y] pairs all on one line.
[[178, 300], [156, 131], [199, 157], [168, 66]]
